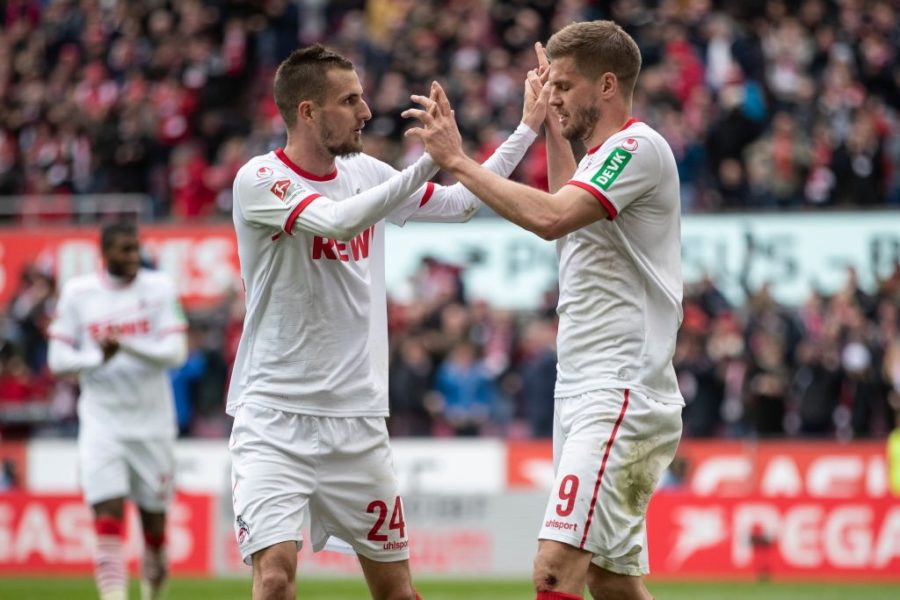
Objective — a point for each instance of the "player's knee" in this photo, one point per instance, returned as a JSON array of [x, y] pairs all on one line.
[[547, 573], [275, 584], [404, 592], [604, 585]]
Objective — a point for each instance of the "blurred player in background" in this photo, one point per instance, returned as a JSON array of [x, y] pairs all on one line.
[[120, 330], [309, 388], [616, 216]]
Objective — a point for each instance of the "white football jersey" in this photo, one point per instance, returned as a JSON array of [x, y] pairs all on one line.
[[126, 397], [620, 278], [315, 330]]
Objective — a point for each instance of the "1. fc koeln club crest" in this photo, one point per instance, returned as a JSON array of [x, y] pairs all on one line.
[[243, 529]]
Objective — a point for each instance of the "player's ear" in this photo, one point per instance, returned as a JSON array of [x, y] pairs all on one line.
[[306, 111], [609, 85]]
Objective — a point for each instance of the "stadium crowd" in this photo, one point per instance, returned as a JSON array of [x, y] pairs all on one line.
[[767, 105]]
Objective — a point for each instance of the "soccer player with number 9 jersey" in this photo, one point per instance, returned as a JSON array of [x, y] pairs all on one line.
[[616, 216]]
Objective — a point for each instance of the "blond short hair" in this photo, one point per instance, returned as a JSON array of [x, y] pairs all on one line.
[[599, 47]]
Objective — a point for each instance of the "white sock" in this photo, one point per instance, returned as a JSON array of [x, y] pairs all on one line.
[[109, 560]]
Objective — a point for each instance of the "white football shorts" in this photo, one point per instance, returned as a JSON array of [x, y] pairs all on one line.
[[610, 448], [339, 468], [142, 470]]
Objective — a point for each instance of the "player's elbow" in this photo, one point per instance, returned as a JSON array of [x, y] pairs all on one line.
[[344, 234], [54, 365], [179, 353], [56, 362], [470, 211], [548, 227]]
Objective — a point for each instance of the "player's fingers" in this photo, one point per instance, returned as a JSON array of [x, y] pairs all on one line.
[[534, 81], [544, 96], [415, 132], [428, 103], [541, 55], [414, 113], [442, 99], [432, 95]]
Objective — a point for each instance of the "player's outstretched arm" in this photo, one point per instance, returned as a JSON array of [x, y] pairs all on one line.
[[344, 220], [455, 203], [549, 216], [300, 207]]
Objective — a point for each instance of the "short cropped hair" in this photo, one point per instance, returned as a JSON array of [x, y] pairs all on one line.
[[599, 47], [111, 231], [303, 76]]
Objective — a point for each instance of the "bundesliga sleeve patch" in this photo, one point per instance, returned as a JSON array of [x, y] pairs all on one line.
[[611, 168]]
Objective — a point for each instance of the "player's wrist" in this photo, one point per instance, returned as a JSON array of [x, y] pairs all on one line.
[[533, 122], [529, 129], [457, 163]]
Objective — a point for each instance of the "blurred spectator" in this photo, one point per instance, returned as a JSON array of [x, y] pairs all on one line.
[[31, 310], [537, 373], [412, 401], [9, 476], [697, 378], [467, 393], [185, 380], [816, 385]]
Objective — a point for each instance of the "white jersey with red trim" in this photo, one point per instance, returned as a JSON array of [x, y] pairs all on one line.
[[315, 330], [126, 397], [620, 279]]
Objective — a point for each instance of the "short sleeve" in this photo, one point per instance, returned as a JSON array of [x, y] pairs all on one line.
[[65, 323], [269, 197], [620, 174]]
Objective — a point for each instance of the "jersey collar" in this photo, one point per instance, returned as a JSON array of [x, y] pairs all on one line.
[[304, 174], [627, 124]]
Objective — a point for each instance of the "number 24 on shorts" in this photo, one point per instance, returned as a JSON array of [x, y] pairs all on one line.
[[396, 522]]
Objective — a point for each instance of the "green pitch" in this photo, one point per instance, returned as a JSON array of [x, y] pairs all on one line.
[[237, 589]]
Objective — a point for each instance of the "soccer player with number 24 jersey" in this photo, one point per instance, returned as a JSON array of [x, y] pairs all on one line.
[[309, 387]]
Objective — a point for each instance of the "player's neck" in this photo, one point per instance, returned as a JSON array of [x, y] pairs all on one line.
[[119, 280], [612, 122], [310, 157]]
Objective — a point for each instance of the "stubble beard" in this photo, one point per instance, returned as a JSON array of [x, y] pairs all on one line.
[[582, 123], [339, 148]]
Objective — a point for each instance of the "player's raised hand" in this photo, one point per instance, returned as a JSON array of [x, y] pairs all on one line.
[[439, 131], [551, 123], [537, 97], [543, 62]]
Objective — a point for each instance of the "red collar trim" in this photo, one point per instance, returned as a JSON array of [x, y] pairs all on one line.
[[627, 124], [304, 174]]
